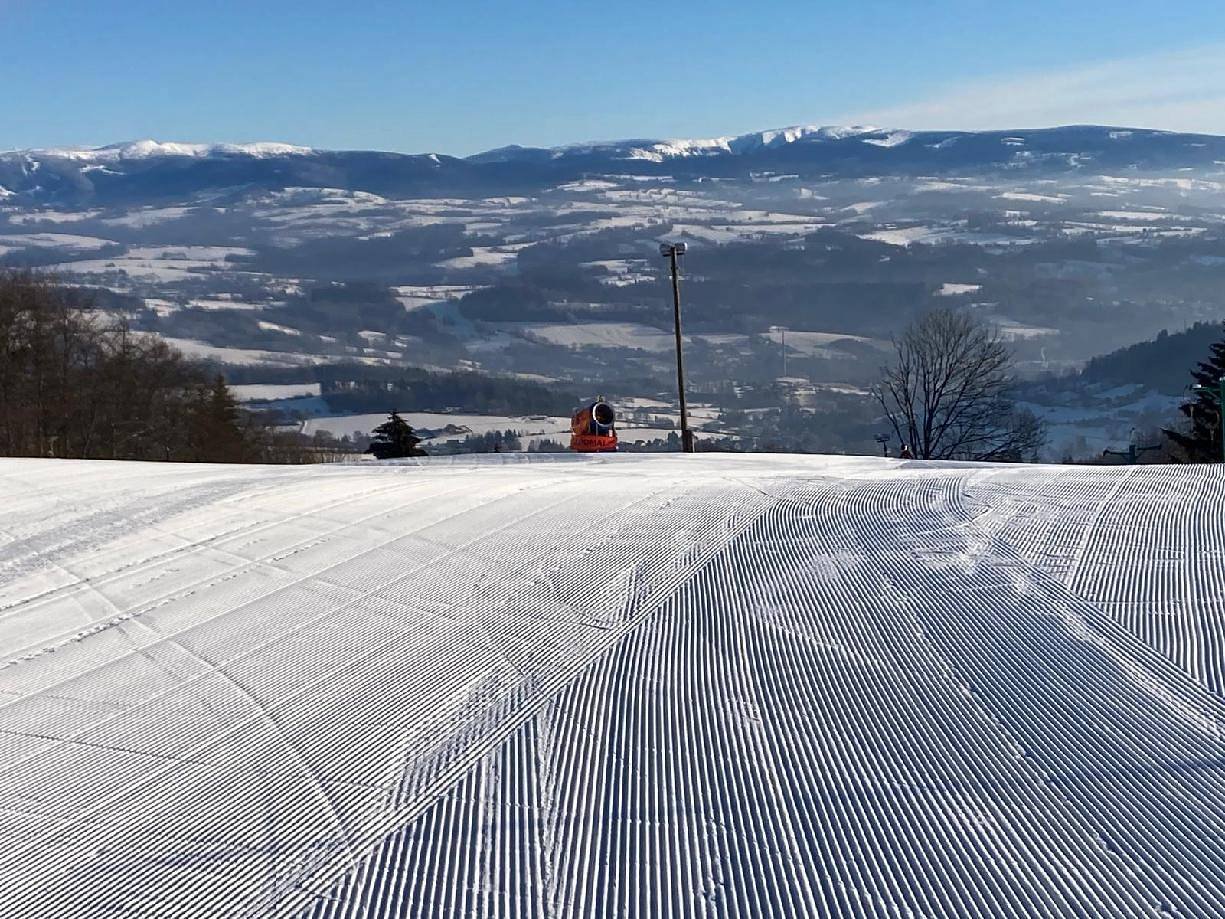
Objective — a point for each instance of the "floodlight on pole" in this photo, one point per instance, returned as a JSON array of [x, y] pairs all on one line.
[[672, 251]]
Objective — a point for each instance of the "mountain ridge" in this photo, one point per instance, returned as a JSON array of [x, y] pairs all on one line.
[[150, 170], [143, 148]]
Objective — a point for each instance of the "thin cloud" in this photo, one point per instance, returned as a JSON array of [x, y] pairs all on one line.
[[1175, 91]]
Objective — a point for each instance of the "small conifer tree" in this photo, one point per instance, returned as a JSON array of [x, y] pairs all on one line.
[[394, 438], [217, 431]]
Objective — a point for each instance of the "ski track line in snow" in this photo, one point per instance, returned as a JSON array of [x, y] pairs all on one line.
[[871, 703], [619, 686], [35, 622]]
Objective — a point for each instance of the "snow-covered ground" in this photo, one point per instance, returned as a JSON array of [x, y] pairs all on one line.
[[816, 343], [628, 685], [633, 335], [263, 392], [557, 428], [950, 289], [242, 356]]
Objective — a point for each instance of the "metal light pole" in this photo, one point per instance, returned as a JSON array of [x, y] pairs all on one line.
[[672, 251], [1219, 395], [782, 331]]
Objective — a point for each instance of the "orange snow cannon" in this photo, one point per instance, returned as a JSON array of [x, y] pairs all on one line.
[[591, 429]]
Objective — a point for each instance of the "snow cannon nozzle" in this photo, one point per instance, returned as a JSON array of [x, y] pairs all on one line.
[[603, 414]]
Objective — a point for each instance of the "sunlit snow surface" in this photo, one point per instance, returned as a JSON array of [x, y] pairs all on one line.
[[628, 685]]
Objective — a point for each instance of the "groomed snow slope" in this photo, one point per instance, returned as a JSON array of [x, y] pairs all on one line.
[[629, 685]]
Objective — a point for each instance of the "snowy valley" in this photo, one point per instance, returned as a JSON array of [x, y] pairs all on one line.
[[541, 265]]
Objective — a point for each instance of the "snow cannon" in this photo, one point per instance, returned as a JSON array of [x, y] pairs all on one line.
[[591, 429]]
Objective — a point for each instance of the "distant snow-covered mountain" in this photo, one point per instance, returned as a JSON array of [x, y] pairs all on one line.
[[661, 150], [1061, 146], [151, 171], [144, 149]]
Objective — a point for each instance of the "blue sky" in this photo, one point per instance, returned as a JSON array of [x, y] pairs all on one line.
[[462, 77]]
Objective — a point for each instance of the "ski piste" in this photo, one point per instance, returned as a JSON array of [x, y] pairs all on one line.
[[708, 685]]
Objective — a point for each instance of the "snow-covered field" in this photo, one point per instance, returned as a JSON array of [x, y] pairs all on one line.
[[631, 685], [815, 343], [242, 356], [260, 392], [633, 335], [556, 427]]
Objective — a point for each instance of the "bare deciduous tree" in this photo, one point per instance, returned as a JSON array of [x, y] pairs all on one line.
[[75, 383], [947, 392]]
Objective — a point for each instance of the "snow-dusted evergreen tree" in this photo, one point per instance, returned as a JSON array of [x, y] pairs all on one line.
[[394, 438], [217, 429], [1201, 441]]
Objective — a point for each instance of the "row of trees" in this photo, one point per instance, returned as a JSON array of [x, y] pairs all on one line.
[[947, 395], [77, 382]]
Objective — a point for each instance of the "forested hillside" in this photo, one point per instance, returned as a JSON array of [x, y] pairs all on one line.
[[1163, 363], [77, 382]]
